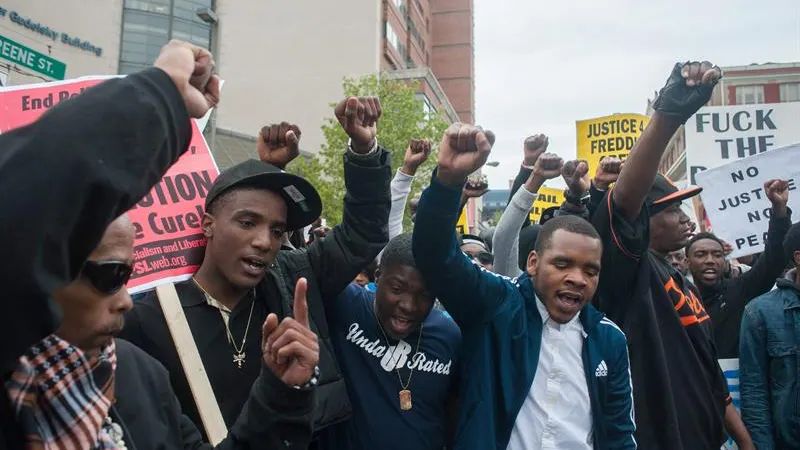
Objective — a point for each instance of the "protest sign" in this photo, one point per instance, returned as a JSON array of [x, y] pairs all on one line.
[[461, 225], [718, 135], [607, 136], [548, 197], [735, 201], [169, 243]]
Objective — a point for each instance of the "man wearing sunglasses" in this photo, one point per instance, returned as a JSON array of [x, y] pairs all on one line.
[[128, 398], [245, 275]]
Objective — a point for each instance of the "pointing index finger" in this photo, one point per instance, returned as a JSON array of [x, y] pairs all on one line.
[[300, 302]]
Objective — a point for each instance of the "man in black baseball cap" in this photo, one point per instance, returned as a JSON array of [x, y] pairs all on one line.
[[680, 396], [245, 275]]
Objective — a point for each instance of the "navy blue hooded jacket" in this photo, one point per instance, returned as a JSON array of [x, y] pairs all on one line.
[[502, 334]]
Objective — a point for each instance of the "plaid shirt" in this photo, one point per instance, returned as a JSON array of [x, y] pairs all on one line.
[[61, 398]]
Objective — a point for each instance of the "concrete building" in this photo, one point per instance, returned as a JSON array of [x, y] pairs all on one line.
[[741, 85], [279, 60]]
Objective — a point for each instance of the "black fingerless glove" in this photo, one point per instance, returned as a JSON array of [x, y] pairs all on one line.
[[678, 100]]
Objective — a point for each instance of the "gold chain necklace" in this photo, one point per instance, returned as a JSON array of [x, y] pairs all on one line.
[[405, 392], [238, 353]]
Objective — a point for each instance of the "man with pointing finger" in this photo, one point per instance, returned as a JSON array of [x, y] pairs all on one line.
[[245, 275]]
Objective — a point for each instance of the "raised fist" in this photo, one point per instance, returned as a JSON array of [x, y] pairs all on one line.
[[534, 146], [279, 144], [359, 116], [778, 194], [417, 153], [607, 172], [548, 166], [576, 176], [688, 88], [464, 149], [476, 186], [191, 68]]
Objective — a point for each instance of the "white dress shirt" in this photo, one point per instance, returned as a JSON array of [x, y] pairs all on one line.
[[557, 413]]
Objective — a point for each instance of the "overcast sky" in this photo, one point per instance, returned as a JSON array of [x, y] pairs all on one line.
[[540, 66]]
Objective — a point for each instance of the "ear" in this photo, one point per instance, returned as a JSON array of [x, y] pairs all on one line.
[[208, 225], [377, 276], [533, 262]]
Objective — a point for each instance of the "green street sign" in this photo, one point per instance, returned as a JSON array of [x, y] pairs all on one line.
[[17, 53]]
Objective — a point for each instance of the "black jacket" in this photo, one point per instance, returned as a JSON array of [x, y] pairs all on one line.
[[329, 265], [275, 415], [63, 180], [725, 302]]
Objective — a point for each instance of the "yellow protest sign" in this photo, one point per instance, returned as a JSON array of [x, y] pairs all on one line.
[[608, 136], [461, 225], [547, 198]]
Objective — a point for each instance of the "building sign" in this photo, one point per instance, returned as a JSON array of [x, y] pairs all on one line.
[[607, 136], [17, 53], [50, 33], [719, 135]]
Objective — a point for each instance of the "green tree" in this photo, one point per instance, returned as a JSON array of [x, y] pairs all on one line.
[[403, 117]]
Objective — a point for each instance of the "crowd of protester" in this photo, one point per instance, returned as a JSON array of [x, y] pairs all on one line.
[[600, 327]]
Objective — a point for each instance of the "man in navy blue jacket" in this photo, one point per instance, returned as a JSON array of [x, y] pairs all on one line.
[[541, 368]]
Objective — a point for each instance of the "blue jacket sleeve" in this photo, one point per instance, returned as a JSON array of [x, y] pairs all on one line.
[[619, 406], [753, 380], [468, 292]]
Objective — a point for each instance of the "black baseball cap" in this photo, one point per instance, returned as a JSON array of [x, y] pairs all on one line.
[[664, 193], [303, 204]]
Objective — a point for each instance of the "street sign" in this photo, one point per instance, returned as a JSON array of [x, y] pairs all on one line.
[[17, 53]]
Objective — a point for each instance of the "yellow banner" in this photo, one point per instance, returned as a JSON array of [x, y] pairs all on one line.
[[461, 225], [547, 197], [608, 136]]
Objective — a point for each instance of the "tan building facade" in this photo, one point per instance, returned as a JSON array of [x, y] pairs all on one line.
[[86, 40], [279, 60]]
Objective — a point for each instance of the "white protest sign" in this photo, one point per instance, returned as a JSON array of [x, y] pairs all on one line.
[[718, 135], [736, 203]]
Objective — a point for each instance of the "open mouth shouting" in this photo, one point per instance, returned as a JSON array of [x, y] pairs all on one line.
[[254, 266], [568, 302]]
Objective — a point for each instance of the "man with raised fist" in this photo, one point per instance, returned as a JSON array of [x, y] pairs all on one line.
[[680, 393], [541, 368], [245, 276]]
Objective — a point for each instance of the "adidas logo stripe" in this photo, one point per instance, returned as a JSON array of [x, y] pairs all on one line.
[[602, 369]]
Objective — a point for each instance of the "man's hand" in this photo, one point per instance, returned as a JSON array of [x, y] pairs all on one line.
[[534, 147], [778, 194], [576, 175], [191, 68], [291, 350], [359, 116], [475, 187], [417, 153], [688, 88], [279, 144], [464, 149], [607, 173]]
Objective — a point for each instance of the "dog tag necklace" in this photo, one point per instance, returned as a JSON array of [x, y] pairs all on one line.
[[238, 352], [405, 392]]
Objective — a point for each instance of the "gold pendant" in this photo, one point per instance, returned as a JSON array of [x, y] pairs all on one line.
[[238, 359], [405, 400]]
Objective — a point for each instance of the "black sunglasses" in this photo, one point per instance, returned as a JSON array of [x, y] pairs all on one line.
[[107, 277]]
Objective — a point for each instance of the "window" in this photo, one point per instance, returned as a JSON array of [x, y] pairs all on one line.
[[790, 92], [412, 29], [749, 95], [149, 25], [391, 36], [427, 105]]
